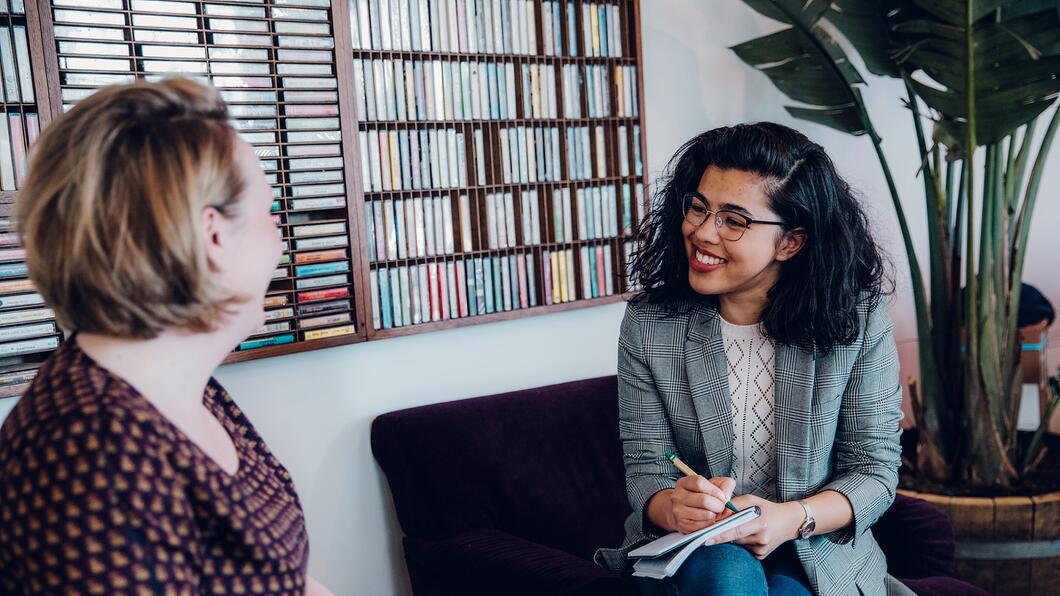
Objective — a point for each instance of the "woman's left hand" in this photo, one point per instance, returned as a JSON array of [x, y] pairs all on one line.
[[778, 523]]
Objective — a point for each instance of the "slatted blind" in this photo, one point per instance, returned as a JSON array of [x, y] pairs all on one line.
[[274, 64], [28, 332]]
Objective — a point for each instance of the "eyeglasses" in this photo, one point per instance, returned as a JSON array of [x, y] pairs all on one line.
[[730, 224]]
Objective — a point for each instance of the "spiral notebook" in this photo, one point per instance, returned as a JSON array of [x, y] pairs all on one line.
[[662, 558]]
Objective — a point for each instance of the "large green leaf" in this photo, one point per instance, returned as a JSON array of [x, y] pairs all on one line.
[[1018, 8], [866, 25], [809, 67], [1013, 68], [955, 12], [804, 12]]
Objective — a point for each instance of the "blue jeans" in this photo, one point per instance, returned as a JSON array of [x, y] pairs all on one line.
[[731, 570]]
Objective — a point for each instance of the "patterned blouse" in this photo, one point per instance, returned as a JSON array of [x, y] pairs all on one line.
[[101, 494]]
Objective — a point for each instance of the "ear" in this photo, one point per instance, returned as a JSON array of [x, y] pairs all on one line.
[[212, 226], [791, 242]]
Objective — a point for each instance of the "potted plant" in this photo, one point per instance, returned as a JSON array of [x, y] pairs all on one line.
[[980, 78]]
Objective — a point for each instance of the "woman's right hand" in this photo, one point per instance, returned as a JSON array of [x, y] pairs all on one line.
[[693, 504]]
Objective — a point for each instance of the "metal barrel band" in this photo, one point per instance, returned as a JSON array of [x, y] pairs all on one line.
[[1035, 549]]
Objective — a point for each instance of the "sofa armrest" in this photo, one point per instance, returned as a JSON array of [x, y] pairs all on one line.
[[493, 561], [917, 538]]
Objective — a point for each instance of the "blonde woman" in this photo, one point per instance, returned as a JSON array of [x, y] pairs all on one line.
[[125, 467]]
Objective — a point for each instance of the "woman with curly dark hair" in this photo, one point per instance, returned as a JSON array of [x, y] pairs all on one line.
[[760, 351]]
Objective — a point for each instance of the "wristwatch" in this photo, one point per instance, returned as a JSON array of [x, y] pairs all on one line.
[[808, 526]]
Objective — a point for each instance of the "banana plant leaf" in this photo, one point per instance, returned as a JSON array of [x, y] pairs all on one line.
[[955, 12], [866, 25], [807, 65], [1013, 68], [804, 12]]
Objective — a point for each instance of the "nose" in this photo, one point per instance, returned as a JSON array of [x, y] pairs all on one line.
[[708, 230]]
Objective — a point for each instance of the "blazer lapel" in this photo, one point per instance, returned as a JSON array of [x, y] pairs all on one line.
[[708, 382], [793, 419]]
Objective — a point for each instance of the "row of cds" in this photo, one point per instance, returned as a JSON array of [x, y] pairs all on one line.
[[465, 287], [425, 90], [27, 326], [443, 225], [487, 27], [439, 158]]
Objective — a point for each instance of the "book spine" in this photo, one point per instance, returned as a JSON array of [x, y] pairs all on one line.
[[547, 283], [430, 275], [373, 286], [18, 147], [509, 219], [483, 294], [465, 288], [465, 224], [498, 283], [487, 288], [450, 307], [587, 285], [524, 291], [572, 282], [447, 224], [609, 272], [425, 227], [531, 279], [506, 284], [406, 294]]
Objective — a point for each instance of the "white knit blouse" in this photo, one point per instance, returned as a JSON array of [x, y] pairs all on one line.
[[751, 359]]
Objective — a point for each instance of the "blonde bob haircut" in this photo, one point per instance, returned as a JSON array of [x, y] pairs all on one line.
[[111, 211]]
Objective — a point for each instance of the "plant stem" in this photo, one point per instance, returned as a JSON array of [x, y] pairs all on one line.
[[931, 336], [972, 387]]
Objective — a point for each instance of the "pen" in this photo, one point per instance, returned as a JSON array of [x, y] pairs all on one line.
[[690, 472]]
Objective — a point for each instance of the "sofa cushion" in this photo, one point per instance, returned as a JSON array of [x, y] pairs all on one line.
[[490, 561], [544, 464], [917, 538]]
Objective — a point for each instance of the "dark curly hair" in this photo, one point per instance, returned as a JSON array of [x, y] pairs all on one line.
[[814, 303]]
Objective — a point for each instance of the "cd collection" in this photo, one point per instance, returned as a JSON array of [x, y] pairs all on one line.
[[461, 287], [488, 27], [498, 145]]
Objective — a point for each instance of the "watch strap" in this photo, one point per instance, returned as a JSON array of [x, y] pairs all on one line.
[[809, 524]]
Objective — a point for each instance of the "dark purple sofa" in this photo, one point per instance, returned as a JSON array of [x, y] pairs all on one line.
[[511, 494]]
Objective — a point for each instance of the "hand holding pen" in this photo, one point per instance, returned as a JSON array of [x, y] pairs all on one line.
[[697, 502]]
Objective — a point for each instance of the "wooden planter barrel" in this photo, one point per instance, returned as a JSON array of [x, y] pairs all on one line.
[[1005, 545]]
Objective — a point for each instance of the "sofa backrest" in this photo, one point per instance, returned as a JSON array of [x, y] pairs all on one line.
[[544, 464]]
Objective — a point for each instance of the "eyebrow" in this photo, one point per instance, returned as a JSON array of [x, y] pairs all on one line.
[[725, 206], [737, 208]]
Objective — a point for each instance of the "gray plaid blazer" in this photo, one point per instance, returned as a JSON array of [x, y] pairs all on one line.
[[837, 421]]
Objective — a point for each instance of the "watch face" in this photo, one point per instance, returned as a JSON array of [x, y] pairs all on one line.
[[807, 530]]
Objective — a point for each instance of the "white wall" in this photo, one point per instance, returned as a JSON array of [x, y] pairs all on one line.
[[315, 409]]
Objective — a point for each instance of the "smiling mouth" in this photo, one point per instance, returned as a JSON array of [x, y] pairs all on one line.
[[707, 259]]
